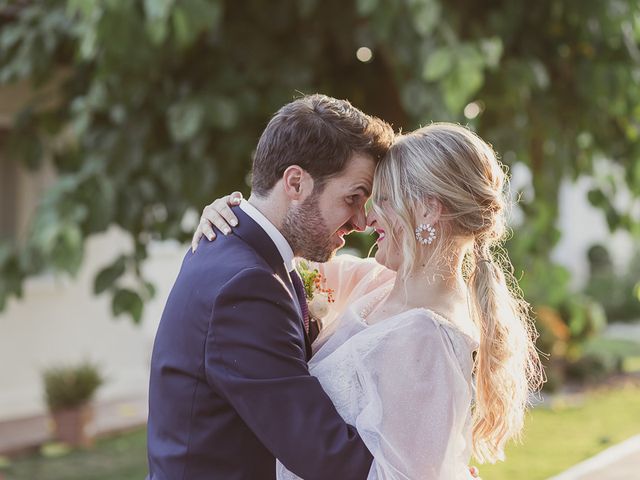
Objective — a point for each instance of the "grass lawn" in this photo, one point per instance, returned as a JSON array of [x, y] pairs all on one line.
[[119, 458], [555, 438], [559, 437]]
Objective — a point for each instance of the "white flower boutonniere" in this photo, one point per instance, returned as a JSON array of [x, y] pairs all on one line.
[[319, 298]]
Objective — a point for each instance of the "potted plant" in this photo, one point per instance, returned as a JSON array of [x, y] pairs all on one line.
[[69, 391]]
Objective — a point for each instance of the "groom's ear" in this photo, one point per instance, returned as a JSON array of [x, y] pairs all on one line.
[[297, 183]]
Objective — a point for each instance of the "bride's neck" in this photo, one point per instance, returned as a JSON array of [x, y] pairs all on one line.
[[438, 287]]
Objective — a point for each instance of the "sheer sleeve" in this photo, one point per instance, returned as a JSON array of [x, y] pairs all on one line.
[[416, 402], [350, 277]]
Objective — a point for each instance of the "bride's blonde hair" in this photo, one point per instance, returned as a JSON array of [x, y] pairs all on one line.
[[454, 166]]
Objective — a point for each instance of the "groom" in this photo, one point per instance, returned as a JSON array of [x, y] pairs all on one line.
[[230, 390]]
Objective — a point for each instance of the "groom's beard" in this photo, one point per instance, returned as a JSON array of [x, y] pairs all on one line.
[[306, 232]]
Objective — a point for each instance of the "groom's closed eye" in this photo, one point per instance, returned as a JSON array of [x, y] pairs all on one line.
[[361, 196], [351, 199]]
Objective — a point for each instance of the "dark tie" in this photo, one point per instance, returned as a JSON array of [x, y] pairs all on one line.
[[302, 298]]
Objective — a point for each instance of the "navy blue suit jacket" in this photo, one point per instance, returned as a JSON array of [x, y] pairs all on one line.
[[230, 389]]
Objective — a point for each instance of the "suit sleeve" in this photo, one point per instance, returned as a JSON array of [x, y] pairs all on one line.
[[254, 356]]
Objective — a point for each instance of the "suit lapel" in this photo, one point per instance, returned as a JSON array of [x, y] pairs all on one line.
[[253, 234]]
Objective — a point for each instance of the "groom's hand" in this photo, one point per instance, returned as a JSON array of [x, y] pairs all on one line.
[[217, 214]]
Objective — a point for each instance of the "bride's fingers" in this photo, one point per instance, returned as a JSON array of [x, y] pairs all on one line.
[[207, 227], [235, 198], [217, 214], [221, 208], [198, 235]]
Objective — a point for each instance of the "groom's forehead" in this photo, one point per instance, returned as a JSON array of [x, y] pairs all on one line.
[[358, 172]]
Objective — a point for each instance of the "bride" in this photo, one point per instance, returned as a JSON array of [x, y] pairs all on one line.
[[428, 350]]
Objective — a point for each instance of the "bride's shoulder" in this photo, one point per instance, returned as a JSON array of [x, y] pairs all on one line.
[[415, 336], [424, 324]]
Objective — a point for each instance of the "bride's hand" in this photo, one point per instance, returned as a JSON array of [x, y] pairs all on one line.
[[219, 215]]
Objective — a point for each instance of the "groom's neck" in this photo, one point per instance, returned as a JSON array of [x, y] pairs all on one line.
[[270, 207]]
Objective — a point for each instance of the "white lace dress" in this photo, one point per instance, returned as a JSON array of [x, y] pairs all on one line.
[[404, 383]]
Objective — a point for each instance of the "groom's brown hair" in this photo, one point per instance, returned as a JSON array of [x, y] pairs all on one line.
[[319, 134]]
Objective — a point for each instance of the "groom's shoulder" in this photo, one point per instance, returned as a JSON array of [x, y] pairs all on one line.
[[224, 258]]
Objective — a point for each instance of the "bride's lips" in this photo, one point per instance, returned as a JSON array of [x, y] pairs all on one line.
[[381, 235]]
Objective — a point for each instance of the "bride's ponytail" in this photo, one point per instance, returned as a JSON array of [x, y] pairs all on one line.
[[507, 364], [452, 165]]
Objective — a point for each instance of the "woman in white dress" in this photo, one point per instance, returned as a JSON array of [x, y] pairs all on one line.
[[428, 350]]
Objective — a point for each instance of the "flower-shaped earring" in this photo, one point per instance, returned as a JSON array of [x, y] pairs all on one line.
[[431, 234]]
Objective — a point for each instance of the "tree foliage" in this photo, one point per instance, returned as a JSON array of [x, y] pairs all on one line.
[[162, 102]]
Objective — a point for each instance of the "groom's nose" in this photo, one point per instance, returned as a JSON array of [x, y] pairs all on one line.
[[359, 221]]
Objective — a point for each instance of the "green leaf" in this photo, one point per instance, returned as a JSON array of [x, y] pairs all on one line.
[[157, 13], [107, 277], [68, 249], [88, 46], [459, 86], [540, 74], [465, 80], [492, 49], [127, 301], [158, 9], [438, 64], [157, 31], [470, 58], [181, 29], [223, 113], [82, 7], [597, 198], [366, 7], [613, 219], [191, 17], [425, 16], [5, 252], [150, 290], [185, 119]]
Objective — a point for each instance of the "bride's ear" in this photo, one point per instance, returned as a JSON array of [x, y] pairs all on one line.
[[297, 183], [430, 212]]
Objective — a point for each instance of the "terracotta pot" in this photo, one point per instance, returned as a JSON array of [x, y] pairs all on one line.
[[71, 426]]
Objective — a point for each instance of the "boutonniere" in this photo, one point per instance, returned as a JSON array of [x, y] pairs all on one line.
[[319, 298]]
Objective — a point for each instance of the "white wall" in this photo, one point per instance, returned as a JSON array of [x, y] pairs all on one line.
[[59, 321], [583, 226]]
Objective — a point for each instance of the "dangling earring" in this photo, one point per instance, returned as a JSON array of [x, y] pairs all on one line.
[[431, 234]]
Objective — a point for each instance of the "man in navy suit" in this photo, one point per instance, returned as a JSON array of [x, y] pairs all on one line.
[[230, 390]]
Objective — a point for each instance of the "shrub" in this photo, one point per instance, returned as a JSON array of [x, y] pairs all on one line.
[[618, 292], [71, 386], [593, 367]]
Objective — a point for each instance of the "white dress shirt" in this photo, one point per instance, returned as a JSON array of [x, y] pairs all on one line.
[[281, 243]]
